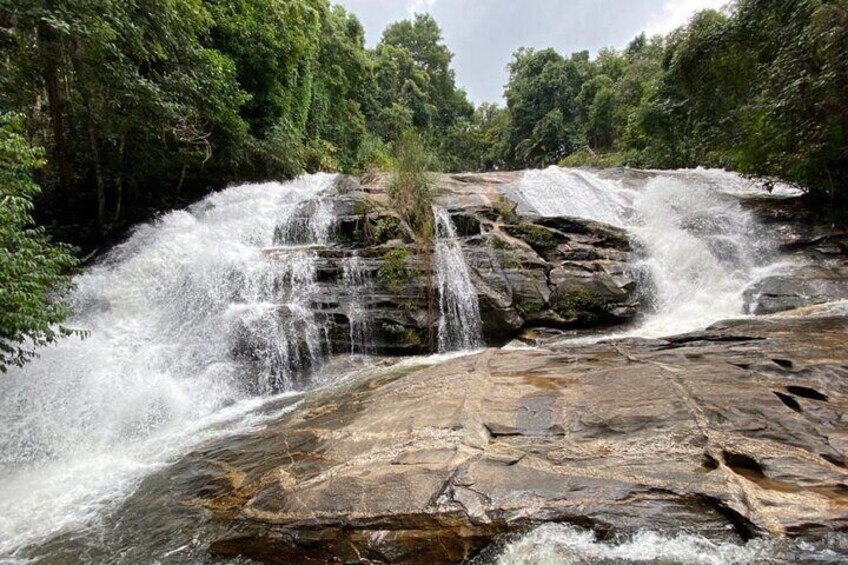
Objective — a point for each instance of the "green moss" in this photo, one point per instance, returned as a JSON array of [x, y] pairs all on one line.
[[384, 229], [580, 303], [505, 208], [362, 207], [403, 336], [395, 273], [502, 249], [538, 238], [500, 244], [528, 308]]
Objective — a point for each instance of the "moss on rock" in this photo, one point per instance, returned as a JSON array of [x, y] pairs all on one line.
[[580, 303], [538, 238]]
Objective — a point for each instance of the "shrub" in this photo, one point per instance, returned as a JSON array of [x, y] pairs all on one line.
[[34, 273], [395, 273]]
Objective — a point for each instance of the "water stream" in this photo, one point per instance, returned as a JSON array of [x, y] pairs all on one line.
[[697, 248], [356, 283], [459, 313], [204, 320], [185, 340]]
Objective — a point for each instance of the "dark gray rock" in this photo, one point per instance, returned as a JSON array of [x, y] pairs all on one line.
[[528, 271]]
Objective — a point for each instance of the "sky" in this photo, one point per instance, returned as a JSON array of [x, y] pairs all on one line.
[[483, 34]]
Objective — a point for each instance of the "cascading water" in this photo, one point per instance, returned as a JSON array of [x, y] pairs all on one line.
[[698, 246], [355, 280], [182, 318], [460, 327], [198, 319]]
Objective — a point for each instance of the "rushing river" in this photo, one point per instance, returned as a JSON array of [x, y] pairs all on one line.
[[186, 345]]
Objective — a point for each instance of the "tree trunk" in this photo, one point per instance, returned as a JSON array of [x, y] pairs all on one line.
[[50, 56], [119, 183], [181, 181], [98, 176]]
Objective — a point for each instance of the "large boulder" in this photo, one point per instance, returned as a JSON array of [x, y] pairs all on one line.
[[734, 432], [819, 252], [528, 271]]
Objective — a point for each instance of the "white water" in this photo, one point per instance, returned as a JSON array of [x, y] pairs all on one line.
[[187, 341], [182, 317], [699, 247], [556, 544], [356, 283], [460, 327]]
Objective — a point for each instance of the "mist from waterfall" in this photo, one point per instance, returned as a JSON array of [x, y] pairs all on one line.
[[460, 327], [695, 247], [191, 320]]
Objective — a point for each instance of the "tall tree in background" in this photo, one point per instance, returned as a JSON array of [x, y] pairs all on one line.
[[797, 127], [541, 97], [124, 96], [416, 88]]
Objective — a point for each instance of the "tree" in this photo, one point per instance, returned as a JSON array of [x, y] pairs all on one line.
[[541, 96], [414, 86], [797, 125], [132, 99], [493, 123], [34, 273], [336, 127], [422, 39]]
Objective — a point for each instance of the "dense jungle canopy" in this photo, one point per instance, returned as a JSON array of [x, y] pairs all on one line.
[[114, 110]]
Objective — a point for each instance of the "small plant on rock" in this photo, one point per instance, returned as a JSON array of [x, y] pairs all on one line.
[[395, 273]]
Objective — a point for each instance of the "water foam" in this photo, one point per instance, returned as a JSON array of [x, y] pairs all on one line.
[[178, 316], [555, 544], [697, 246]]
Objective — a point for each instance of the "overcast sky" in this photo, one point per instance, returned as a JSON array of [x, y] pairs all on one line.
[[483, 34]]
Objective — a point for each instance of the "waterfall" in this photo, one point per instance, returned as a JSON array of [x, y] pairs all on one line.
[[356, 283], [460, 327], [203, 315], [188, 320], [699, 248]]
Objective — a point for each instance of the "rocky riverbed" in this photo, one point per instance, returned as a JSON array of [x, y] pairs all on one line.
[[738, 431], [586, 411], [732, 433]]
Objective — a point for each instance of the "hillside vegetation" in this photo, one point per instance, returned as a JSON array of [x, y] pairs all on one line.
[[138, 108]]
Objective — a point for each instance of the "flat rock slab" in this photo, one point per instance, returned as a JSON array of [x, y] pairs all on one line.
[[734, 432]]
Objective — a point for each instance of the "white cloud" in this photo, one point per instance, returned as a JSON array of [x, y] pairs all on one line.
[[676, 13]]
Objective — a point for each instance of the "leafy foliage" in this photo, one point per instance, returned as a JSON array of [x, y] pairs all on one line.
[[761, 88], [144, 107], [395, 273], [33, 271], [411, 190]]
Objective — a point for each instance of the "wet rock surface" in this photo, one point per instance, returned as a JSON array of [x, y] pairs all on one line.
[[735, 432], [528, 271], [820, 252]]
